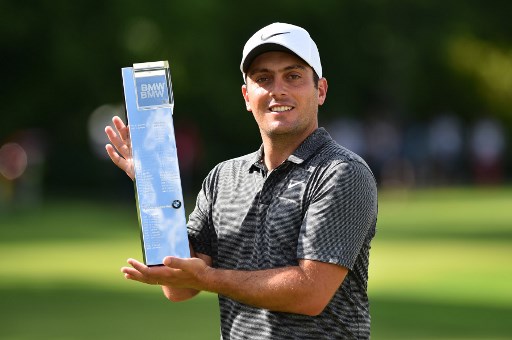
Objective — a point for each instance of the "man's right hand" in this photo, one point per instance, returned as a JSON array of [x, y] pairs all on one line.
[[120, 150]]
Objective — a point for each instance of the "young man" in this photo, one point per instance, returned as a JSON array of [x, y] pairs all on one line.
[[282, 235]]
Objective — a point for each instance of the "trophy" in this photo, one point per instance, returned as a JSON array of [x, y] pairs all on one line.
[[159, 197]]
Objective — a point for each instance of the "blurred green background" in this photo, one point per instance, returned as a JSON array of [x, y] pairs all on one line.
[[421, 89]]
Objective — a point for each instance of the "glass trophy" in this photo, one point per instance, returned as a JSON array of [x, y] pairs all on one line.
[[159, 197]]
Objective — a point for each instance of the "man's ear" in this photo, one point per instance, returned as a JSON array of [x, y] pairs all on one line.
[[246, 97], [322, 90]]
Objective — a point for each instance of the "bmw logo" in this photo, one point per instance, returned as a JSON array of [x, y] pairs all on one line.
[[176, 204]]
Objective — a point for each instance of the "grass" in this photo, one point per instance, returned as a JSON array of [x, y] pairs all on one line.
[[82, 312], [440, 269]]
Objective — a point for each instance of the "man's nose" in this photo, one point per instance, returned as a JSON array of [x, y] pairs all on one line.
[[279, 88]]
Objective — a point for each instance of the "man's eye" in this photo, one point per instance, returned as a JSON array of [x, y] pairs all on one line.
[[260, 80], [294, 76]]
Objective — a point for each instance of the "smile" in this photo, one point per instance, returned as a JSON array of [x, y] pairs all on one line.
[[281, 108]]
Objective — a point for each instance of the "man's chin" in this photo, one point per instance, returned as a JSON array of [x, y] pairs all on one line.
[[283, 130], [280, 130]]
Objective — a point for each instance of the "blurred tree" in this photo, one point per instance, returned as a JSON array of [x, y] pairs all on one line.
[[61, 60]]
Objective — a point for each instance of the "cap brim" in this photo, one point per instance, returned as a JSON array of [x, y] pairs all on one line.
[[260, 49]]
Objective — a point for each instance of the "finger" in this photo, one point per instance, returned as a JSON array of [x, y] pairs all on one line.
[[174, 262], [121, 128], [141, 279], [131, 271], [141, 267], [133, 274], [114, 156], [142, 273], [167, 261], [122, 146], [122, 163], [118, 123]]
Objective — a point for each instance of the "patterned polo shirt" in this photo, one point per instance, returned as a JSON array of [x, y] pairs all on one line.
[[320, 204]]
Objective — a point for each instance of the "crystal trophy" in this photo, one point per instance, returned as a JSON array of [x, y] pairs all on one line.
[[159, 197]]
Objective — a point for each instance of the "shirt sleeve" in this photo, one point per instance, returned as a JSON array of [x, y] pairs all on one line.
[[341, 214], [199, 223]]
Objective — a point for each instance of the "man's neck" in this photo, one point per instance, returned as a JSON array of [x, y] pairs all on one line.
[[277, 149]]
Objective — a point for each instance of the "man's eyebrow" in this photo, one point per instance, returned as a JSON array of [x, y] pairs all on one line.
[[287, 68], [258, 70], [296, 66]]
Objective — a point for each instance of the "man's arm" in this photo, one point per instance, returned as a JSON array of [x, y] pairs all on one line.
[[303, 289]]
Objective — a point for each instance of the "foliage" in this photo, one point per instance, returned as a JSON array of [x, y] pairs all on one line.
[[408, 60]]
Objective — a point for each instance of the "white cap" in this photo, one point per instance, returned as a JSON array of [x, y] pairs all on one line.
[[282, 37]]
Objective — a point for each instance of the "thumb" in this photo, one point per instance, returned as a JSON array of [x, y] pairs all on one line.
[[173, 262]]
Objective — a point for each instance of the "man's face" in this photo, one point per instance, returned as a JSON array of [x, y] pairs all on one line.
[[281, 94]]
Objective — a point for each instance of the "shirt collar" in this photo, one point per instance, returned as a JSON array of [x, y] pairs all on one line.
[[306, 149], [310, 146]]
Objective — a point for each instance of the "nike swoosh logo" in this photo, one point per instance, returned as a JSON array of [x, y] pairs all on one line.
[[264, 38], [293, 184]]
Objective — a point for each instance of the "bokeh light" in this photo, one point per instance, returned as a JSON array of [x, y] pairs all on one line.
[[98, 120], [13, 160]]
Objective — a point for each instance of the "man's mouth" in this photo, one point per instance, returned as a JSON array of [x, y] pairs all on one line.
[[281, 108]]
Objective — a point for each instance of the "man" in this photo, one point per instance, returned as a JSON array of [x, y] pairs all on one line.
[[282, 235]]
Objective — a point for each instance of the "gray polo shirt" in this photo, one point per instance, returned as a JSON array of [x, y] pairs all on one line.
[[320, 204]]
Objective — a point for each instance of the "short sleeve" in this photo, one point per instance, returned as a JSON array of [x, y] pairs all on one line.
[[341, 214], [199, 222]]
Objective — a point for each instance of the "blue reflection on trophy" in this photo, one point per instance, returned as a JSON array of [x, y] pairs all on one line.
[[149, 109]]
